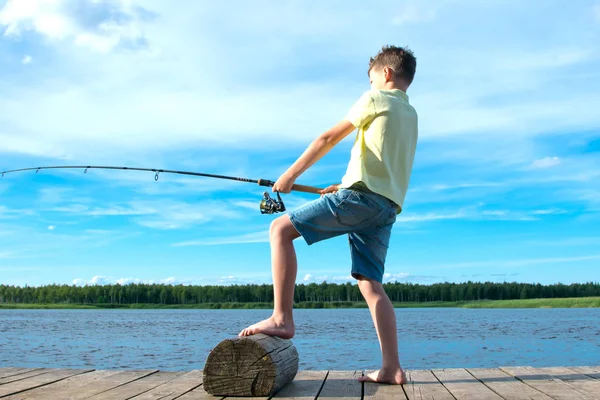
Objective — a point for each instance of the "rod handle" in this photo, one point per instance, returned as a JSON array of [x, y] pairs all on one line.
[[306, 189], [295, 187]]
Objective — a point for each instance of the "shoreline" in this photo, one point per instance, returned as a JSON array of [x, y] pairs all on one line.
[[573, 302]]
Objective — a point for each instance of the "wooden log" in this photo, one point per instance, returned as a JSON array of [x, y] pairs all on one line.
[[256, 365]]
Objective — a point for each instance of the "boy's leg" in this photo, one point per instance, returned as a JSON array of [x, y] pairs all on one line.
[[284, 268], [333, 214], [384, 319]]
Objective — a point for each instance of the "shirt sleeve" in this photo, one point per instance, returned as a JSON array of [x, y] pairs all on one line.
[[363, 111]]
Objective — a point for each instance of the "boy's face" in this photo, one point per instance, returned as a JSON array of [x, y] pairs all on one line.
[[377, 78]]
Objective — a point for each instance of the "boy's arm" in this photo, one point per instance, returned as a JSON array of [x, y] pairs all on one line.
[[361, 112], [315, 151]]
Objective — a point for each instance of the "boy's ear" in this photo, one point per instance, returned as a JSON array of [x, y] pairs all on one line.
[[388, 73]]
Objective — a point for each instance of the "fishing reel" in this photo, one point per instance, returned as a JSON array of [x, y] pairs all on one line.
[[269, 205]]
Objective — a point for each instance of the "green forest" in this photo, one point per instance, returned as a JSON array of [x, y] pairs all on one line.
[[161, 294]]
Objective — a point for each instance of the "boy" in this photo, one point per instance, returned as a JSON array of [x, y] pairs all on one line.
[[364, 205]]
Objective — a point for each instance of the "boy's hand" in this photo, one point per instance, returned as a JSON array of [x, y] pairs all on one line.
[[284, 184], [330, 189]]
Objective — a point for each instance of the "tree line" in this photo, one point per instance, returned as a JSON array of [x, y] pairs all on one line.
[[135, 293]]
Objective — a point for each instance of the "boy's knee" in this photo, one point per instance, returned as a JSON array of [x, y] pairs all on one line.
[[367, 285], [282, 228], [275, 228]]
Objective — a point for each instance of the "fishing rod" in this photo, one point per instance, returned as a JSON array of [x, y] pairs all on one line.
[[268, 205]]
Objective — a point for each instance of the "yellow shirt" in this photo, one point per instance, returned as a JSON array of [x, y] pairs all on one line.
[[384, 150]]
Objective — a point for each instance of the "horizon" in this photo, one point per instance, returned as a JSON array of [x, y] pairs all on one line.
[[313, 283]]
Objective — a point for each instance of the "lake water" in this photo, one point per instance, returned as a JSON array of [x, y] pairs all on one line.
[[337, 339]]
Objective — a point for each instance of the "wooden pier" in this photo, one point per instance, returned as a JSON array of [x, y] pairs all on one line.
[[568, 383]]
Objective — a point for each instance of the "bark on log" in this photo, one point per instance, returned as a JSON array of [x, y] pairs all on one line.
[[257, 365]]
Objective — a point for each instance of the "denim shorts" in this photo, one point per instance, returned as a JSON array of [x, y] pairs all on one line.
[[365, 216]]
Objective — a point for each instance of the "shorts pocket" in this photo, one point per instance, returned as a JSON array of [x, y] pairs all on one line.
[[356, 208]]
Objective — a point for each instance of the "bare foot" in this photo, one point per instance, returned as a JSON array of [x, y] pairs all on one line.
[[271, 327], [396, 377]]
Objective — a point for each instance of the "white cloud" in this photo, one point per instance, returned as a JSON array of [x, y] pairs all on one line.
[[549, 211], [255, 237], [505, 215], [567, 241], [109, 280], [546, 162], [432, 216], [234, 280], [26, 60], [342, 279], [11, 213], [389, 277], [310, 278], [96, 280], [54, 194], [51, 227], [139, 122], [472, 98], [475, 213], [441, 187], [101, 231], [177, 215], [250, 205], [125, 281], [512, 263], [158, 214], [71, 208], [588, 195], [100, 280], [98, 25]]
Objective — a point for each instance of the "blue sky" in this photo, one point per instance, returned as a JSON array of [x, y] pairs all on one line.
[[506, 181]]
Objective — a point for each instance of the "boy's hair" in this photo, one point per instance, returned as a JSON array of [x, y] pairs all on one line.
[[401, 60]]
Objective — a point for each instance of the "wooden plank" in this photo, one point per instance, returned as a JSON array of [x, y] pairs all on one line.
[[51, 376], [110, 382], [4, 372], [27, 374], [137, 387], [592, 372], [63, 388], [378, 391], [90, 388], [462, 385], [507, 386], [581, 382], [422, 384], [342, 384], [8, 372], [200, 394], [553, 387], [305, 386], [175, 388]]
